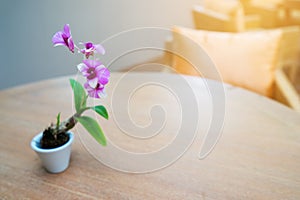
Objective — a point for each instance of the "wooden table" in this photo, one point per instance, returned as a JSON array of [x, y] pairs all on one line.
[[256, 157]]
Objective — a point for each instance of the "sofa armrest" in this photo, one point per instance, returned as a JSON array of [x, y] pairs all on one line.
[[210, 20], [252, 21], [285, 91], [269, 15]]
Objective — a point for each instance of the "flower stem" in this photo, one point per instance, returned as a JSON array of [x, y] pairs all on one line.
[[68, 124]]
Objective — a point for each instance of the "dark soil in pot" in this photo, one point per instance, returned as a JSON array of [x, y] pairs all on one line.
[[49, 141]]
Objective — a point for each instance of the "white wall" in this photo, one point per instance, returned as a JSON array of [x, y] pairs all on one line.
[[27, 27]]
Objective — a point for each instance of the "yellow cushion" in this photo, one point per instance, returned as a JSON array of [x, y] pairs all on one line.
[[228, 7], [289, 52], [245, 59], [267, 3]]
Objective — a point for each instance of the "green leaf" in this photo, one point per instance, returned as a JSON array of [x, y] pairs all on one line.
[[79, 95], [101, 110], [58, 120], [93, 128]]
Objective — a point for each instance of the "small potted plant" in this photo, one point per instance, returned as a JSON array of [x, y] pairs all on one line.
[[53, 145]]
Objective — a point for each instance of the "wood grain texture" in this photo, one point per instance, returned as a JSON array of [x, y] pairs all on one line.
[[257, 156]]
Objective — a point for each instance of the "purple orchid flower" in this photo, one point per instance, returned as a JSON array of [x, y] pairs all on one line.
[[90, 48], [64, 38], [97, 92], [95, 72]]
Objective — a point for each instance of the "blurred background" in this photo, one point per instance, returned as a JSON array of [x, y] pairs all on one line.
[[27, 53], [253, 44]]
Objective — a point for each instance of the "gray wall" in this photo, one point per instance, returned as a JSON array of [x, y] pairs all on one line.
[[27, 27]]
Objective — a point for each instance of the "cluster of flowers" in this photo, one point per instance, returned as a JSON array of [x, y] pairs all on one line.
[[96, 74]]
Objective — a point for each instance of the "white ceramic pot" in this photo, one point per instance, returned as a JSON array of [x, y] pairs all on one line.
[[55, 160]]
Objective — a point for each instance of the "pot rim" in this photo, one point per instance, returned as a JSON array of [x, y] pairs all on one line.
[[36, 140]]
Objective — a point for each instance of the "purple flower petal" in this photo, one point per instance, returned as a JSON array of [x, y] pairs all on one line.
[[93, 82], [90, 49], [64, 38], [99, 49], [97, 75], [57, 39], [97, 92], [92, 63], [81, 67], [67, 30], [71, 44], [101, 93], [88, 45], [103, 75]]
